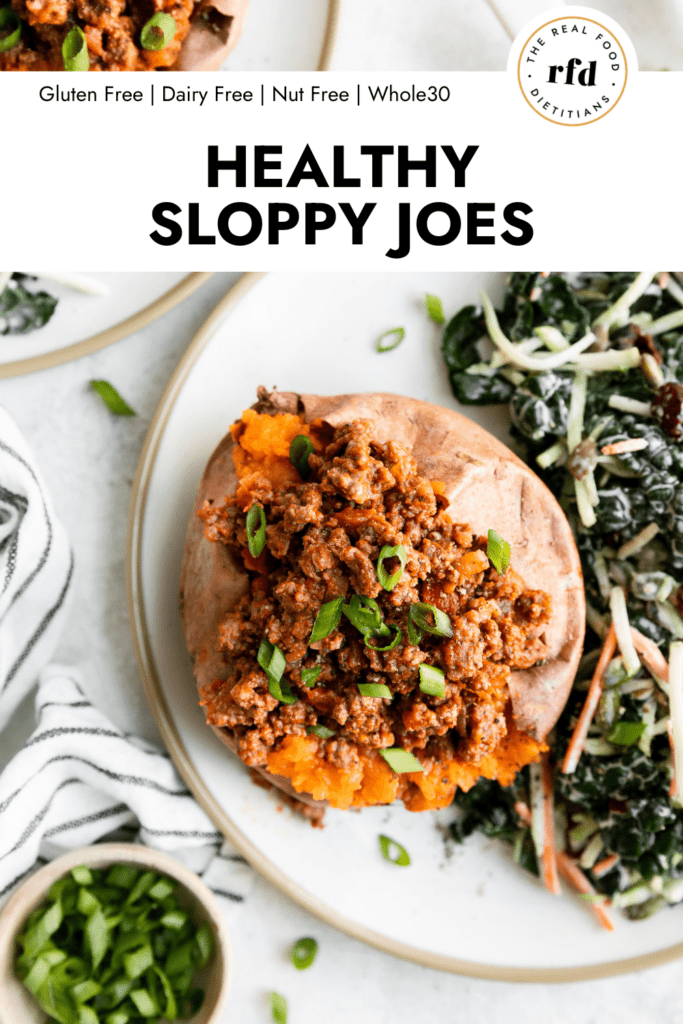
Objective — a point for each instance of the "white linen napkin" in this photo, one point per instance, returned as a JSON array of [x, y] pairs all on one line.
[[79, 778], [36, 569]]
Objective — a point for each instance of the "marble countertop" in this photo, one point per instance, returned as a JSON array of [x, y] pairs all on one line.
[[89, 459]]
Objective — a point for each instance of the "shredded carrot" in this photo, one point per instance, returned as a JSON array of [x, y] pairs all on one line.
[[549, 859], [673, 788], [605, 865], [523, 812], [631, 444], [573, 874], [575, 748], [652, 656]]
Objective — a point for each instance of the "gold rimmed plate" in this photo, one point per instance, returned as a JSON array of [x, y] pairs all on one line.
[[467, 909]]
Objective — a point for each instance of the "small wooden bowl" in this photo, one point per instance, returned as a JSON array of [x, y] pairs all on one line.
[[17, 1005]]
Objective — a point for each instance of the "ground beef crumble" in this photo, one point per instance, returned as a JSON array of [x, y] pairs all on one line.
[[324, 536]]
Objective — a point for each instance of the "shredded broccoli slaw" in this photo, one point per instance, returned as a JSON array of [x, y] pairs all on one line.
[[589, 364]]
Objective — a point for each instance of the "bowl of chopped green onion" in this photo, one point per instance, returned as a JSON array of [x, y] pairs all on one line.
[[113, 934]]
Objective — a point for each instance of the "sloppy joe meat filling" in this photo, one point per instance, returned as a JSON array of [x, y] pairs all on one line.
[[324, 535]]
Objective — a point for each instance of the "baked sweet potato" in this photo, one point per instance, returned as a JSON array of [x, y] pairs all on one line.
[[484, 485]]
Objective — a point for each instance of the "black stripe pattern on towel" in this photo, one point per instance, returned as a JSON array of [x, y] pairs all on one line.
[[36, 569], [79, 778]]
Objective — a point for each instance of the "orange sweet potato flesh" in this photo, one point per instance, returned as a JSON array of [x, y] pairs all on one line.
[[488, 487]]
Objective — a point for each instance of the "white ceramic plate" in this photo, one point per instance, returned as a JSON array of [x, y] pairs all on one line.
[[285, 35], [469, 909], [82, 323]]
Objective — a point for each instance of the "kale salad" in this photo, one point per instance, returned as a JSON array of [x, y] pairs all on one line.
[[589, 365], [22, 307]]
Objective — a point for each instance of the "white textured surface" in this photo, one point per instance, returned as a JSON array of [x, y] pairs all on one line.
[[89, 460]]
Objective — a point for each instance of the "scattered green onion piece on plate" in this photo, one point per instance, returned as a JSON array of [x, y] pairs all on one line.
[[272, 661], [304, 952], [327, 619], [389, 647], [432, 681], [75, 57], [309, 676], [625, 734], [435, 309], [256, 530], [374, 690], [387, 581], [158, 31], [321, 731], [420, 616], [10, 25], [394, 852], [498, 552], [299, 451], [278, 1008], [400, 760], [398, 333], [111, 398]]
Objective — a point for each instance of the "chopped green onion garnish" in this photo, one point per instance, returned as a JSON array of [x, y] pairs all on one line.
[[272, 661], [112, 398], [363, 613], [256, 530], [158, 31], [123, 876], [144, 1004], [75, 57], [389, 647], [394, 852], [299, 451], [434, 309], [82, 875], [374, 690], [498, 552], [327, 619], [401, 760], [398, 333], [309, 676], [278, 1008], [387, 581], [304, 952], [426, 617], [432, 681], [320, 730], [625, 734], [11, 24]]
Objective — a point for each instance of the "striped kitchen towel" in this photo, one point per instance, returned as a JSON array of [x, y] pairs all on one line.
[[79, 779], [36, 567]]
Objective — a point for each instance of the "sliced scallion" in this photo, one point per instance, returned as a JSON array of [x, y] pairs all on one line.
[[432, 681], [400, 760], [299, 451], [10, 28], [390, 581], [498, 552], [304, 952], [374, 690], [321, 731], [427, 618], [626, 734], [111, 398], [327, 619], [389, 647], [272, 661], [364, 613], [75, 57], [397, 333], [158, 31], [434, 309], [394, 852], [309, 676], [278, 1008], [256, 530]]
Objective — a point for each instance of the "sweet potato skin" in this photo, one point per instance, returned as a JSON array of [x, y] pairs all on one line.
[[488, 488]]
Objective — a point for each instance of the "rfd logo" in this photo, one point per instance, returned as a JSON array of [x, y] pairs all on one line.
[[572, 70], [584, 77]]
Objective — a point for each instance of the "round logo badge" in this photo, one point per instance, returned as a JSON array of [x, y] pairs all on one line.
[[572, 68]]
